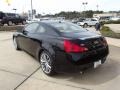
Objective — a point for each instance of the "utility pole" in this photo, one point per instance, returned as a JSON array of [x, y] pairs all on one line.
[[31, 9], [97, 7], [84, 4]]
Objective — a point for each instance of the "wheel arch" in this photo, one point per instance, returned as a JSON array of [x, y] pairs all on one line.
[[47, 48], [86, 23]]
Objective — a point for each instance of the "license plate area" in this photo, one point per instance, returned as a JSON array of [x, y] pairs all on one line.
[[97, 63]]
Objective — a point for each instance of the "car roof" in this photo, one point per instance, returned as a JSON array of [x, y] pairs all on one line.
[[52, 21]]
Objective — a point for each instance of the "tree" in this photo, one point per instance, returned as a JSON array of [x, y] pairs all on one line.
[[75, 14], [87, 14], [68, 15], [38, 16], [98, 12]]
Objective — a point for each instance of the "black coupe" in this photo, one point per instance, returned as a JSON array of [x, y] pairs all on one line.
[[60, 45]]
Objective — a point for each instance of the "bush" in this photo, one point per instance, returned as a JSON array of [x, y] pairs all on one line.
[[110, 22], [10, 28], [105, 31]]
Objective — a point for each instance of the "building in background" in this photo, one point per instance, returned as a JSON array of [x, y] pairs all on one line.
[[106, 16]]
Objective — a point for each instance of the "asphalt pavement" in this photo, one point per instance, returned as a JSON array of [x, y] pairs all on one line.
[[20, 71]]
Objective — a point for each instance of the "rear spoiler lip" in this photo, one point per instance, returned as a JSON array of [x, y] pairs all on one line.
[[84, 38]]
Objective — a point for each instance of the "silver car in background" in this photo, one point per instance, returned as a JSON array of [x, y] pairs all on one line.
[[88, 22]]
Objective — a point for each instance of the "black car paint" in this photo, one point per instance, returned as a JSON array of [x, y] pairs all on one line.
[[32, 42], [35, 43]]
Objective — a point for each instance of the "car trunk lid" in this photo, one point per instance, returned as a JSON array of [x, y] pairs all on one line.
[[91, 40]]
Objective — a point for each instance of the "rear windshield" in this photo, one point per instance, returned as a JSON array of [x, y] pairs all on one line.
[[1, 15], [12, 15], [67, 27]]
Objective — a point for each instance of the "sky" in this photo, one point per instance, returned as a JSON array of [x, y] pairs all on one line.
[[55, 6]]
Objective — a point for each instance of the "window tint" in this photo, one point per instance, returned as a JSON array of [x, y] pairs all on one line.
[[93, 20], [10, 14], [46, 29], [81, 20], [41, 29], [67, 27], [17, 15], [1, 15], [31, 27]]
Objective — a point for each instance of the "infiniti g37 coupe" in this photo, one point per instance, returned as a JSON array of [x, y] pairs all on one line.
[[60, 45]]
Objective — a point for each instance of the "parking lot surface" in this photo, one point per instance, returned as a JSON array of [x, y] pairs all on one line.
[[20, 71]]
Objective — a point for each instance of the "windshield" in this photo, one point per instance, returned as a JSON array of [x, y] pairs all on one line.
[[67, 27], [10, 14]]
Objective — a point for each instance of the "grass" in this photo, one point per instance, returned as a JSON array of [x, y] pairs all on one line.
[[110, 22], [105, 31], [10, 28]]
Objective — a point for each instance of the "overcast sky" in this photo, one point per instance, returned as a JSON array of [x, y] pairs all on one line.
[[55, 6]]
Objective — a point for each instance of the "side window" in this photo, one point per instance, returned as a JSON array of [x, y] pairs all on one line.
[[93, 20], [46, 29], [1, 15], [17, 15], [41, 29], [31, 27]]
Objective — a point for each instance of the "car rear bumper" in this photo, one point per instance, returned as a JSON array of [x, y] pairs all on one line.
[[74, 61]]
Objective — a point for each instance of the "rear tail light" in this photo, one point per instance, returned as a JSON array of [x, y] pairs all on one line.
[[69, 46]]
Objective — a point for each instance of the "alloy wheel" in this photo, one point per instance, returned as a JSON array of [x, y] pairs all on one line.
[[24, 22], [45, 61], [10, 23]]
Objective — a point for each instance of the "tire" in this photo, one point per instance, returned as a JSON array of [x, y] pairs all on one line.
[[16, 44], [10, 23], [23, 22], [46, 63], [85, 25]]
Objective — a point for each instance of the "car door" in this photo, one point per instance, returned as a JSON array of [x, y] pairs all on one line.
[[36, 39], [1, 16], [25, 37], [41, 36]]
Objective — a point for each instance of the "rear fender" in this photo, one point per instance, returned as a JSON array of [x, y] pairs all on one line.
[[45, 47]]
